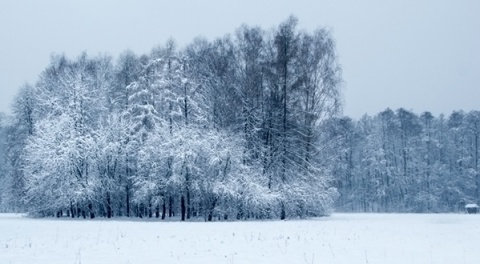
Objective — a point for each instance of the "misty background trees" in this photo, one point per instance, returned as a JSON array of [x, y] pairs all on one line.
[[398, 161], [248, 125]]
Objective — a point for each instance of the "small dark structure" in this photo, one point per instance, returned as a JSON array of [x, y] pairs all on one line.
[[472, 208]]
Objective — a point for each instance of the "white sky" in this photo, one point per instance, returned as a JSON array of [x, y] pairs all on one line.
[[420, 55]]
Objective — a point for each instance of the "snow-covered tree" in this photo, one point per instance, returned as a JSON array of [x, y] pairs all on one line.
[[4, 164], [59, 175], [227, 128]]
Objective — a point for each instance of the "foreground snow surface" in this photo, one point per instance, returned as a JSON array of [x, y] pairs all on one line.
[[341, 238]]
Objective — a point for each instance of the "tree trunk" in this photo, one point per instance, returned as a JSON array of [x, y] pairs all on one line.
[[189, 205], [182, 207], [109, 206], [72, 210], [127, 190], [170, 207], [90, 208], [210, 211], [157, 211], [164, 209]]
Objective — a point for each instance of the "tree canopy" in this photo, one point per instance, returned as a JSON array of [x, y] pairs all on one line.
[[226, 129]]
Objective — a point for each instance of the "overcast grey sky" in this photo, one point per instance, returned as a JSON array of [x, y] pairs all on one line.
[[420, 55]]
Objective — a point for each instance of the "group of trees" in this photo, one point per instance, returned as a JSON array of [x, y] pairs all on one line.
[[226, 128], [244, 126], [398, 161]]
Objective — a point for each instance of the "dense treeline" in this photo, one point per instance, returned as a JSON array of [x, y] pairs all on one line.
[[226, 128], [245, 126], [398, 161]]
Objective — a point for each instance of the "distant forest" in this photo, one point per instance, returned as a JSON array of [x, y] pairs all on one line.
[[398, 161], [245, 126]]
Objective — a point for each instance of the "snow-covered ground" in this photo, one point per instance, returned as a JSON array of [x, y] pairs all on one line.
[[341, 238]]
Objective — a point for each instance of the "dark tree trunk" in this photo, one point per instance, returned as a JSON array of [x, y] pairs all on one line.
[[140, 209], [210, 211], [90, 208], [182, 208], [170, 207], [189, 205], [109, 206], [72, 210], [240, 212], [127, 190], [282, 213], [210, 216], [164, 209]]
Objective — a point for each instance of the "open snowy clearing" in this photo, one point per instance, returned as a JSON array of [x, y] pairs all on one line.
[[341, 238]]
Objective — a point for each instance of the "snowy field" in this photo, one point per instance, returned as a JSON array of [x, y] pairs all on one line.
[[341, 238]]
